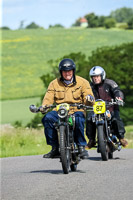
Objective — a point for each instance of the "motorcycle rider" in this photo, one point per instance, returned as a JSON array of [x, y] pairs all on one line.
[[105, 89], [70, 89]]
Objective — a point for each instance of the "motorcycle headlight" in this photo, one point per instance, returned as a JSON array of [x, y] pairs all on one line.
[[62, 112]]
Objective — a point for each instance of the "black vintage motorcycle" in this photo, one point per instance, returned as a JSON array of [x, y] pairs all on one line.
[[107, 142], [69, 154]]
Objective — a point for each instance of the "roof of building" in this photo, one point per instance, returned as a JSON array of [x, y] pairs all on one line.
[[82, 20]]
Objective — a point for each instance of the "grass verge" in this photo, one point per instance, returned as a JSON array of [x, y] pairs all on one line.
[[21, 142]]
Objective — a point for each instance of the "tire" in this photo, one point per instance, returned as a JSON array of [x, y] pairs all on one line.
[[73, 167], [103, 147], [64, 152]]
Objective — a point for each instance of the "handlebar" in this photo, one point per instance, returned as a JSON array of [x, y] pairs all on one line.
[[81, 106], [112, 102], [34, 109]]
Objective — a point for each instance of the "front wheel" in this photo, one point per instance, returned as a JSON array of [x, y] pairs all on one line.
[[102, 143], [64, 150]]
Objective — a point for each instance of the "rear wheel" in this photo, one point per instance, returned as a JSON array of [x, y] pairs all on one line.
[[102, 143], [64, 151]]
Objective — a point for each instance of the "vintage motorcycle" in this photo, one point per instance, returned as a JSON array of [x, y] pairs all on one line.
[[107, 142], [69, 154]]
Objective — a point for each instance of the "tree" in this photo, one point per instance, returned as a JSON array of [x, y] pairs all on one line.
[[109, 23], [56, 26], [33, 26], [101, 21], [77, 22], [5, 28], [122, 14], [92, 20], [130, 23]]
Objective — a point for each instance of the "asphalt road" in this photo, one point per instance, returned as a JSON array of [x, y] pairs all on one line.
[[36, 178]]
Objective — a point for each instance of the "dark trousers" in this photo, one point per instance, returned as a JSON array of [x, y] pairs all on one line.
[[116, 124], [51, 133]]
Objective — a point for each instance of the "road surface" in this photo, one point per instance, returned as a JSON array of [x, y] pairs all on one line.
[[36, 178]]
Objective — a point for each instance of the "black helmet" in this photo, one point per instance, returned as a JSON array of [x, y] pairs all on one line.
[[66, 65]]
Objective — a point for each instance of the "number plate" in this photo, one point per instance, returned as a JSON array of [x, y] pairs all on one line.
[[99, 107]]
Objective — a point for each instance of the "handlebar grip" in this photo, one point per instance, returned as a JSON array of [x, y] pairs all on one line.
[[33, 109]]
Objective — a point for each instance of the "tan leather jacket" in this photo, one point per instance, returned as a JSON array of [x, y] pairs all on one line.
[[58, 92]]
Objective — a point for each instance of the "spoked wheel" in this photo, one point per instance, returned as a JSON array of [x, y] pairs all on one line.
[[64, 151], [102, 143]]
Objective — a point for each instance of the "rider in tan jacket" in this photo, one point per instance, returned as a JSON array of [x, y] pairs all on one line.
[[67, 89], [59, 92]]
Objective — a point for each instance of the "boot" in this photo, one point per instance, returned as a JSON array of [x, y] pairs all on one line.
[[54, 153], [123, 142], [83, 153], [91, 144]]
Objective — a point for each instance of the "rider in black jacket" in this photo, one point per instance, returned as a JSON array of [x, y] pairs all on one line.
[[105, 89]]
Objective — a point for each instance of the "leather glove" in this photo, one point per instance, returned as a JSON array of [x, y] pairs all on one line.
[[119, 101], [90, 98]]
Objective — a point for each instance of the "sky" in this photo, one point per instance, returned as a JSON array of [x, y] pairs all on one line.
[[51, 12]]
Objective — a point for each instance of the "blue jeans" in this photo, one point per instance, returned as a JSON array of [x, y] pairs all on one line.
[[51, 133]]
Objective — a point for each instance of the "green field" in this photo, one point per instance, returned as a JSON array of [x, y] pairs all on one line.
[[17, 110], [20, 142], [25, 54]]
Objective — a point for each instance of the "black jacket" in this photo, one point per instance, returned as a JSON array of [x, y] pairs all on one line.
[[107, 90]]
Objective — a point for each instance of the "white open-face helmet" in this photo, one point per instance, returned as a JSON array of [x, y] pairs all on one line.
[[97, 70]]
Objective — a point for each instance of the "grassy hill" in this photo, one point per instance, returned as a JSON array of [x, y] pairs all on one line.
[[25, 54]]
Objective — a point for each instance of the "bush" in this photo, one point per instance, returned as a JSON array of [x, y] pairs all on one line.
[[130, 23], [36, 122], [17, 124], [122, 25], [109, 23]]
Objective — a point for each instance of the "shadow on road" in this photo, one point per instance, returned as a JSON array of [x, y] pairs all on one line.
[[55, 171], [100, 159], [95, 158], [48, 171]]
